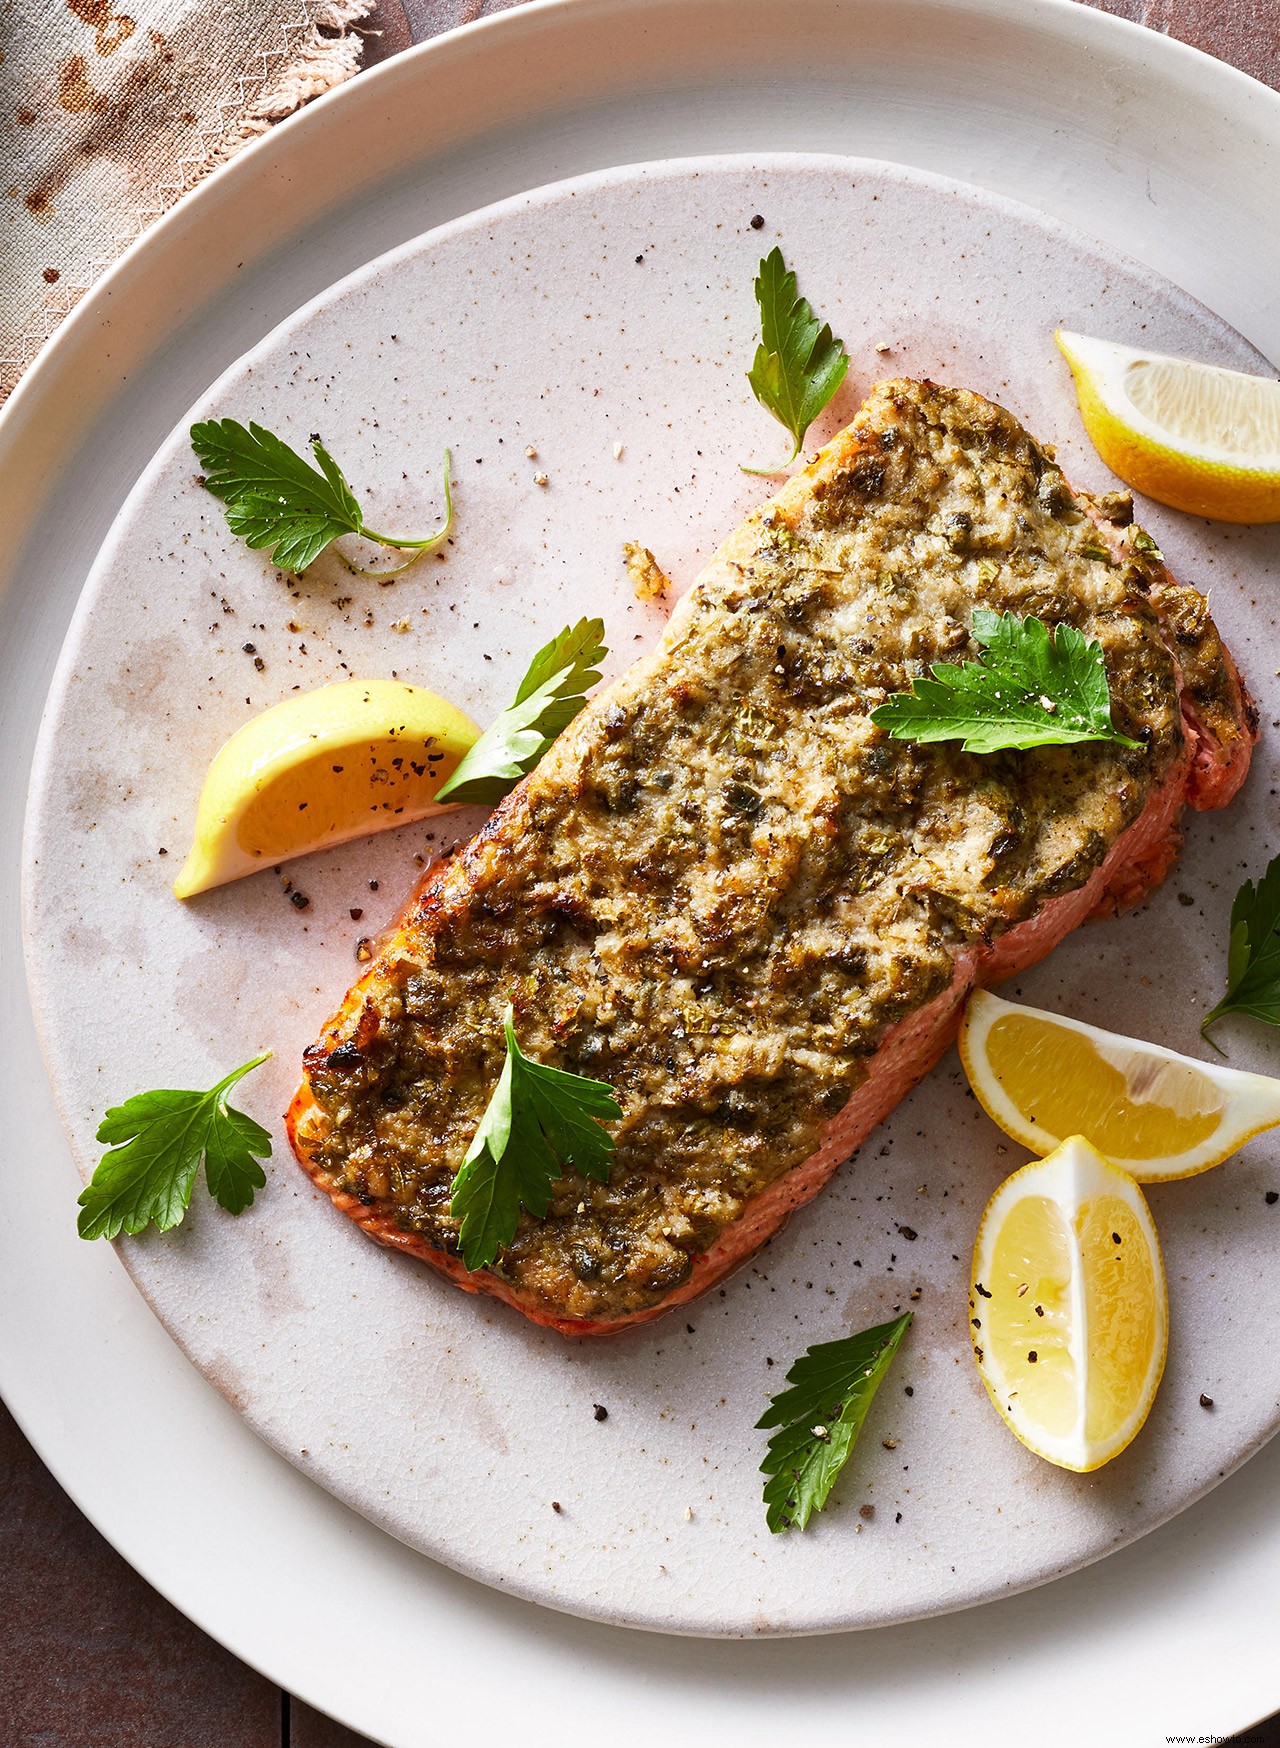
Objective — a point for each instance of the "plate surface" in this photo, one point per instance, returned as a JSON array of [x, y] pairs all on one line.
[[614, 310]]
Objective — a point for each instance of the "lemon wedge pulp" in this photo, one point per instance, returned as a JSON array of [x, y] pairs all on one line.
[[1070, 1317], [1158, 1115], [319, 769], [1194, 436]]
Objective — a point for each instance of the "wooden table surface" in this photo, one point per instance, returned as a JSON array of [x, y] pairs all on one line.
[[93, 1657]]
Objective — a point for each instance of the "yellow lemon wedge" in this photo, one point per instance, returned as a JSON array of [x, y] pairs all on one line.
[[319, 769], [1070, 1317], [1158, 1115], [1194, 436]]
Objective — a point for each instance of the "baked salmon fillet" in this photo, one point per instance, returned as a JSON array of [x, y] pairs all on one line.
[[731, 896]]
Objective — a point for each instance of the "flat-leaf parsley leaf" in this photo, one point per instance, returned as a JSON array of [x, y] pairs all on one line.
[[539, 1121], [799, 363], [550, 696], [1033, 688], [833, 1384], [1253, 952], [275, 498], [157, 1142]]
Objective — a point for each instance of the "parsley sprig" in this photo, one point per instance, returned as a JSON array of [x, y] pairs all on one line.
[[275, 498], [1253, 953], [157, 1141], [1033, 688], [799, 363], [549, 697], [538, 1122], [833, 1384]]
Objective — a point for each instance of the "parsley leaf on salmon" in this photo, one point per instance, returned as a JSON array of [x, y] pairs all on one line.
[[1034, 687], [538, 1122]]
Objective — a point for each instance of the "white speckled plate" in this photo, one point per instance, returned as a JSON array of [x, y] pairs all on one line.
[[616, 309]]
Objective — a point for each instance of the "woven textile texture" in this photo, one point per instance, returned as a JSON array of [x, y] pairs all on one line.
[[111, 109]]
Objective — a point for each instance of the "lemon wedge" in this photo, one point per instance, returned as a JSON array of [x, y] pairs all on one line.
[[1158, 1115], [1200, 438], [319, 769], [1070, 1317]]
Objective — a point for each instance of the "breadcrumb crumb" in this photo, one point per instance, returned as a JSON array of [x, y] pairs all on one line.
[[648, 578]]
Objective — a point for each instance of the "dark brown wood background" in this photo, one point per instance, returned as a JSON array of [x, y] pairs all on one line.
[[90, 1655]]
